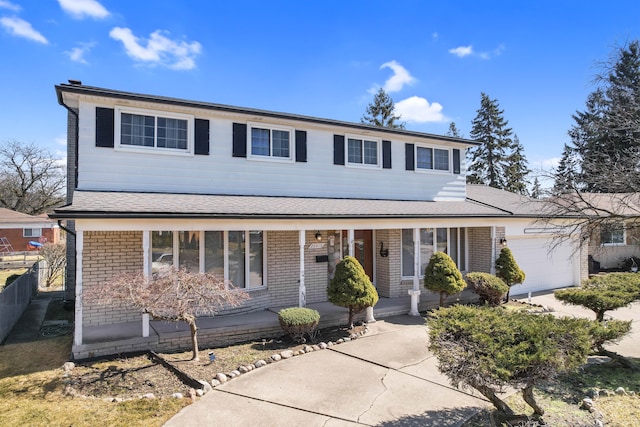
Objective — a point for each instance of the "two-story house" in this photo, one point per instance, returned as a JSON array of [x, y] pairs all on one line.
[[272, 201]]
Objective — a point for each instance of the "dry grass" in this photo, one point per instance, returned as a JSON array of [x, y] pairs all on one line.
[[4, 274]]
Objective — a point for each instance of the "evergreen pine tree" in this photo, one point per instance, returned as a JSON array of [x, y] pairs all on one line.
[[381, 112], [488, 159], [515, 169], [565, 175], [606, 135], [536, 191], [453, 131]]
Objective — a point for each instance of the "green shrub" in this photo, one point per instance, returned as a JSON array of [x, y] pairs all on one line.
[[507, 269], [603, 293], [442, 275], [351, 287], [12, 279], [490, 289], [298, 322], [488, 349]]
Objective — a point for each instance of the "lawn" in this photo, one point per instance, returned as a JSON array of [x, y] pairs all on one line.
[[4, 274]]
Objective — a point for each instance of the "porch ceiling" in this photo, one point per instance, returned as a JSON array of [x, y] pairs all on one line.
[[101, 204]]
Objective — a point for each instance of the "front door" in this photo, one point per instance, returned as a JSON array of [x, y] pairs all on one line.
[[362, 249]]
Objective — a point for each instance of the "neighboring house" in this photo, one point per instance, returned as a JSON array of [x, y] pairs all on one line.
[[18, 229], [612, 245], [273, 201]]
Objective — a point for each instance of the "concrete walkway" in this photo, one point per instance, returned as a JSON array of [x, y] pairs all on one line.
[[386, 378], [27, 328]]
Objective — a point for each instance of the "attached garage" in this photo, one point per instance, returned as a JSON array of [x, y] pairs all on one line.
[[544, 270]]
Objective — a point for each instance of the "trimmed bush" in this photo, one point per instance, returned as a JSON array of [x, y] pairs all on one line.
[[351, 287], [490, 289], [507, 269], [298, 322], [442, 275]]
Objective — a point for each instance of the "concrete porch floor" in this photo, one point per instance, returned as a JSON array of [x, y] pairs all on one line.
[[117, 338]]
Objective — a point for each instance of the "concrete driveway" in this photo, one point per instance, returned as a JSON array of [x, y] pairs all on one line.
[[386, 378]]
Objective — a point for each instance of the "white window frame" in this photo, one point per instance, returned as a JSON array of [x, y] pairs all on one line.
[[615, 226], [433, 159], [460, 249], [39, 230], [363, 165], [271, 157], [119, 110]]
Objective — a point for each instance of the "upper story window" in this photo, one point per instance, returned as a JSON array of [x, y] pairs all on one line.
[[429, 158], [267, 142], [363, 152], [612, 234], [147, 130], [31, 232]]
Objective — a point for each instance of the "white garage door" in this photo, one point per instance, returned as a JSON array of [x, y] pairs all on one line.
[[543, 270]]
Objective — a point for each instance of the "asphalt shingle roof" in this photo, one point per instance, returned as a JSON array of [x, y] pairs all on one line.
[[104, 204]]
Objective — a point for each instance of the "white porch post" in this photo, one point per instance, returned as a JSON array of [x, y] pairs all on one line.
[[351, 238], [147, 271], [493, 250], [303, 290], [77, 336], [415, 292]]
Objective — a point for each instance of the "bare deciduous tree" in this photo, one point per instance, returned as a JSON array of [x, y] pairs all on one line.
[[32, 179], [55, 255], [174, 295]]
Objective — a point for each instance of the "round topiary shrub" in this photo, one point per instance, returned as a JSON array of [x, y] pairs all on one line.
[[298, 322], [442, 275], [351, 288], [490, 289]]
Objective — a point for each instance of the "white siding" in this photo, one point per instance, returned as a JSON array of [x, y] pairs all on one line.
[[220, 173]]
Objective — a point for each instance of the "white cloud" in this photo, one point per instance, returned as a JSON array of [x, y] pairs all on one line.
[[61, 140], [77, 53], [8, 5], [21, 28], [159, 50], [418, 110], [462, 51], [399, 78], [84, 8]]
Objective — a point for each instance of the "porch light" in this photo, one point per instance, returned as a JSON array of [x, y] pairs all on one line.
[[503, 241], [318, 236]]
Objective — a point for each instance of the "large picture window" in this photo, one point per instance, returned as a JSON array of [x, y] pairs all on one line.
[[237, 256], [143, 129], [270, 142], [452, 241]]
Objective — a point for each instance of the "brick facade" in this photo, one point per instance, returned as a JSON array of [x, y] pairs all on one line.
[[19, 243]]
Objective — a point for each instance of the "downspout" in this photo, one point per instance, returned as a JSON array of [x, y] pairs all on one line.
[[73, 233]]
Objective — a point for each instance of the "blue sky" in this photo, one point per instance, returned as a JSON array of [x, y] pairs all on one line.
[[318, 58]]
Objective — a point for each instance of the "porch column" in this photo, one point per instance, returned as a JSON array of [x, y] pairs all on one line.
[[147, 271], [350, 239], [77, 335], [493, 250], [415, 292], [302, 292]]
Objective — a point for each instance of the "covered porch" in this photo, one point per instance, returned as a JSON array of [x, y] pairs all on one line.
[[220, 331]]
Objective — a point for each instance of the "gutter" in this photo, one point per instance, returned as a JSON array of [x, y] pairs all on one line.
[[73, 233]]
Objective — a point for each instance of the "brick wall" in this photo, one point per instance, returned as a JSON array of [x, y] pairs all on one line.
[[105, 254], [388, 269], [21, 244], [283, 269], [479, 244], [316, 273]]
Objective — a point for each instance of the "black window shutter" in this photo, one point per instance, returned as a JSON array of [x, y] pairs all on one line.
[[104, 127], [301, 146], [456, 161], [386, 154], [239, 140], [202, 137], [338, 149], [409, 157]]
